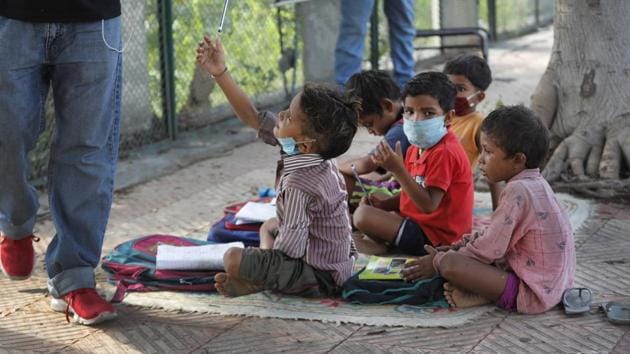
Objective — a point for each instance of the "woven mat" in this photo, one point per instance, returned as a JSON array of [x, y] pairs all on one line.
[[335, 310]]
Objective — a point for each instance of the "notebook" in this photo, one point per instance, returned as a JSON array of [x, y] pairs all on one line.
[[206, 257]]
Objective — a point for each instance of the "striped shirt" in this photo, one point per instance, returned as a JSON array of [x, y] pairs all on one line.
[[312, 209], [312, 214]]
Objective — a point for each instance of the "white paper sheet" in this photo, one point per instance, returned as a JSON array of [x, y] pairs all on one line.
[[254, 211], [245, 221], [206, 257]]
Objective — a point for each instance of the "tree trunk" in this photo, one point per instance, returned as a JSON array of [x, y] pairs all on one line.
[[198, 108], [584, 95]]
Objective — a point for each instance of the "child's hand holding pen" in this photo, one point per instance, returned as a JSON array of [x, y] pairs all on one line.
[[211, 56], [366, 198], [210, 53]]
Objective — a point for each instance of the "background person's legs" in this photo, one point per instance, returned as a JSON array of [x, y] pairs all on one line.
[[402, 31], [86, 83], [355, 15], [23, 91]]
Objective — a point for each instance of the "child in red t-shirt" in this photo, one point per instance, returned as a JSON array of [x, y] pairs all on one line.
[[435, 204]]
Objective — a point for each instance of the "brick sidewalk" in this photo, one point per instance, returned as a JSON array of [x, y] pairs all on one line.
[[184, 203]]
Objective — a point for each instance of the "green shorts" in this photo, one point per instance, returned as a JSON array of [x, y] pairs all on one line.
[[276, 271]]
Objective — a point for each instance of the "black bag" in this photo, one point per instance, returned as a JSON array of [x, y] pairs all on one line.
[[397, 292]]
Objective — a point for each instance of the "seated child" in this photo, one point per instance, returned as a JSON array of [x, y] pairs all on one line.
[[436, 200], [525, 259], [381, 114], [307, 250], [471, 76]]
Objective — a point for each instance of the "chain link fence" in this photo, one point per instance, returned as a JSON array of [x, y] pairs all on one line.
[[252, 35], [510, 18], [261, 45]]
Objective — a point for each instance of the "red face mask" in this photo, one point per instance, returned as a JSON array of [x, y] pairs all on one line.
[[463, 106]]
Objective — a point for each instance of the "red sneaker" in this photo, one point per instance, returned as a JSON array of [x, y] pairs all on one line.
[[17, 257], [87, 306]]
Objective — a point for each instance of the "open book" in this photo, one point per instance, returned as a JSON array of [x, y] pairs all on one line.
[[383, 268], [206, 257]]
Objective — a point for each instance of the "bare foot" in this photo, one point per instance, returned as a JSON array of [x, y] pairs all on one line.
[[231, 287], [462, 299]]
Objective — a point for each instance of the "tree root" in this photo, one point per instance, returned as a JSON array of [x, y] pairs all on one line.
[[614, 189]]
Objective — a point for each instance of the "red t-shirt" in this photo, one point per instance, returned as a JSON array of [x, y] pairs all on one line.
[[445, 166]]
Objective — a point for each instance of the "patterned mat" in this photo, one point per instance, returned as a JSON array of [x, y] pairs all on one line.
[[335, 310]]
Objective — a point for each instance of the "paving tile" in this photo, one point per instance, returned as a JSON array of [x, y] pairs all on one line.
[[552, 332], [359, 348], [461, 338], [18, 294], [276, 335], [36, 328], [603, 277], [623, 346], [603, 261]]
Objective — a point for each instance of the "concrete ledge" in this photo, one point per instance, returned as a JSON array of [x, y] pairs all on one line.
[[165, 157]]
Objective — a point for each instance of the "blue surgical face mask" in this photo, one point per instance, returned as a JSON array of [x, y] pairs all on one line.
[[289, 145], [424, 133]]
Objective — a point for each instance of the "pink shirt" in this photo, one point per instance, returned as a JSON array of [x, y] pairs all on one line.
[[529, 234]]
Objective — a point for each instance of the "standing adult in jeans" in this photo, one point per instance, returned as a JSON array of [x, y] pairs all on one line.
[[355, 15], [73, 48]]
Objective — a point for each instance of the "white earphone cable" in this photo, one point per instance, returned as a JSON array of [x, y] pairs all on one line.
[[122, 49]]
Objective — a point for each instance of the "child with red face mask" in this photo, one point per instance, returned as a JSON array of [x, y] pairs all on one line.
[[471, 76]]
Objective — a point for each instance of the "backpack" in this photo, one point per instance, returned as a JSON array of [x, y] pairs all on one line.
[[388, 292], [227, 230], [223, 231], [131, 266]]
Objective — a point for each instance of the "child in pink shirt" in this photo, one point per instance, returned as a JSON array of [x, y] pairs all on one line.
[[525, 258]]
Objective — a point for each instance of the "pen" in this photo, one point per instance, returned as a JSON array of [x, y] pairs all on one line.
[[356, 176], [225, 6]]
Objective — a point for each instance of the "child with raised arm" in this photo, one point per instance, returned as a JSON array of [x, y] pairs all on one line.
[[471, 76], [307, 250], [436, 200], [381, 115], [525, 259]]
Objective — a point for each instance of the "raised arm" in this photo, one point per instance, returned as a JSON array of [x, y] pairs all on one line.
[[211, 57]]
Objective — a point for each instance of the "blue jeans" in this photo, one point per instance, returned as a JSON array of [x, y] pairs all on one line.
[[355, 15], [85, 77]]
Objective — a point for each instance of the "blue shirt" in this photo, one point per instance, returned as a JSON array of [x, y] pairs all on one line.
[[393, 135]]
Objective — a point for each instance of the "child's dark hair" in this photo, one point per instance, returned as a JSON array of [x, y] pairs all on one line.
[[331, 118], [474, 68], [434, 84], [371, 86], [518, 129]]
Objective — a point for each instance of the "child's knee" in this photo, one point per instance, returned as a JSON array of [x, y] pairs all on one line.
[[450, 265], [359, 217], [232, 260]]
